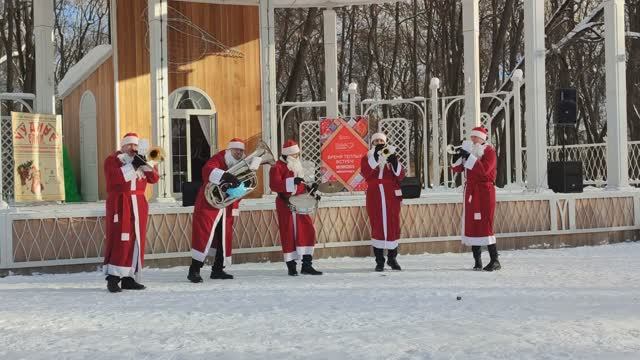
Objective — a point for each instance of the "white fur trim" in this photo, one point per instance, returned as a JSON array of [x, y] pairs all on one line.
[[304, 250], [457, 163], [384, 210], [290, 185], [378, 136], [128, 172], [471, 161], [290, 256], [197, 255], [146, 168], [397, 171], [291, 150], [479, 134], [129, 140], [235, 145], [479, 241], [372, 161], [381, 244], [216, 176], [121, 271]]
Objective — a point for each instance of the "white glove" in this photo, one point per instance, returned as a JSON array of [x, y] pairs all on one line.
[[255, 163], [467, 145]]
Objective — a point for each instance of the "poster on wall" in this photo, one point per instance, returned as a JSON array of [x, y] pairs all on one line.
[[37, 156], [343, 143]]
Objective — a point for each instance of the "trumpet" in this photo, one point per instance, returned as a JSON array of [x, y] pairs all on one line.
[[387, 151], [452, 150], [155, 154]]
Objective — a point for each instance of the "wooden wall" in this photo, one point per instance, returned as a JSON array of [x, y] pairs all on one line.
[[133, 68], [100, 83], [232, 83]]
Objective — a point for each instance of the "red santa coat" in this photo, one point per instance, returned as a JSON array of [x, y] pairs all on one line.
[[206, 217], [126, 215], [297, 234], [383, 200], [479, 201]]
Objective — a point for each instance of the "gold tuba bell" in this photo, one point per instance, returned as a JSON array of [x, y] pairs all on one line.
[[156, 153], [216, 195]]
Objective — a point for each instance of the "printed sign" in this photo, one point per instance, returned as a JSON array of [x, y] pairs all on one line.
[[343, 144], [37, 156]]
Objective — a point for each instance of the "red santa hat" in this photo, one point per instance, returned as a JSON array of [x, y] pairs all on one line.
[[290, 147], [236, 143], [379, 136], [129, 138], [480, 132]]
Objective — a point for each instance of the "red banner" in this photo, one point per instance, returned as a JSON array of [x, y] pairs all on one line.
[[343, 144]]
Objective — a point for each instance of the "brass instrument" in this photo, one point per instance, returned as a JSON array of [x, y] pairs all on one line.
[[452, 150], [387, 151], [216, 195], [156, 153]]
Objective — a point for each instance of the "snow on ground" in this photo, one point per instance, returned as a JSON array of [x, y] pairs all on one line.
[[577, 303]]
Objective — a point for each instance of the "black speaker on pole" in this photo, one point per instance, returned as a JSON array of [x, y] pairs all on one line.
[[410, 187], [566, 107], [190, 192], [565, 176]]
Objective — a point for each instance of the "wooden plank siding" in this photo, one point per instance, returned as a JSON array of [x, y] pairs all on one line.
[[100, 83], [233, 84]]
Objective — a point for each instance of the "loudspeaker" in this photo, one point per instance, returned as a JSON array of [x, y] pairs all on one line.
[[565, 176], [189, 192], [566, 107], [410, 187]]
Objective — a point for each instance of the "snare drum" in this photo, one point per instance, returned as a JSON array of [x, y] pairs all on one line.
[[303, 204]]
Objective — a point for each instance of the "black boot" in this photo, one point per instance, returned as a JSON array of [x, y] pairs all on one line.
[[306, 268], [477, 256], [391, 259], [194, 271], [379, 253], [217, 271], [494, 264], [291, 267], [112, 283], [129, 284]]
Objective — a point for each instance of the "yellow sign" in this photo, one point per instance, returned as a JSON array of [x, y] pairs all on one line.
[[37, 155]]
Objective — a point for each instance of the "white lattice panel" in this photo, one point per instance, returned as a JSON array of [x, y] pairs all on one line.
[[593, 157], [6, 142], [398, 131], [634, 162], [310, 144]]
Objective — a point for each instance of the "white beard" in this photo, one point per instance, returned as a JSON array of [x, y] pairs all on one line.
[[478, 150], [295, 165], [229, 159]]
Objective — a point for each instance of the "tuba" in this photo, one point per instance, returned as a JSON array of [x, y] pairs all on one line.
[[153, 156], [216, 195], [453, 150]]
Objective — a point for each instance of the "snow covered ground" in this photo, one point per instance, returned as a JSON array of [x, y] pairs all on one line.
[[578, 303]]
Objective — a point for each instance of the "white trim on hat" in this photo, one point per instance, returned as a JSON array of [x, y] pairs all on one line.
[[129, 140], [377, 136], [235, 145], [293, 149], [479, 134]]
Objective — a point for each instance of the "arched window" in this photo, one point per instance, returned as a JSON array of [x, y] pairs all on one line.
[[193, 129]]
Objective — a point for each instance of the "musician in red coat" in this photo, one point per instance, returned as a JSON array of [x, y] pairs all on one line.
[[127, 175], [297, 234], [477, 159], [212, 227], [383, 199]]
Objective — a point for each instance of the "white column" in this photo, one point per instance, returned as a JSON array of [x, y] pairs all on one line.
[[517, 79], [268, 77], [43, 20], [616, 85], [353, 92], [536, 110], [330, 62], [157, 13], [471, 32], [435, 135]]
